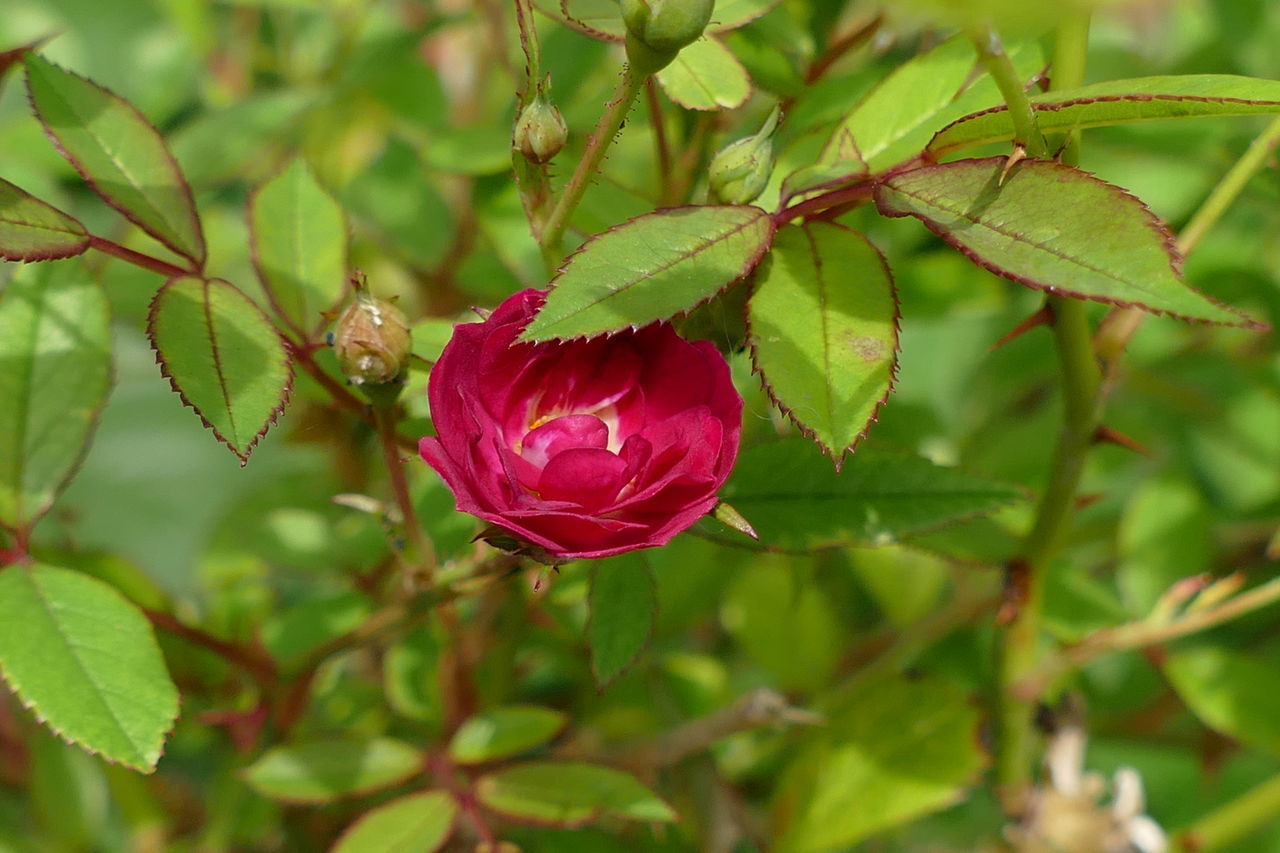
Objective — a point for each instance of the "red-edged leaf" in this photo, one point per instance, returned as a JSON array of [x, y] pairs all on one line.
[[1055, 228], [223, 357], [119, 153], [10, 58], [823, 323], [651, 268], [32, 230]]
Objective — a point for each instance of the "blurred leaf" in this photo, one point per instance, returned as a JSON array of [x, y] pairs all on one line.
[[68, 792], [480, 150], [300, 246], [294, 631], [1055, 228], [31, 230], [218, 144], [86, 662], [418, 823], [409, 676], [504, 732], [794, 500], [824, 332], [395, 198], [602, 19], [706, 76], [55, 373], [624, 609], [905, 583], [119, 153], [731, 14], [1233, 694], [651, 268], [1119, 102], [223, 357], [909, 747], [895, 121], [1165, 535], [325, 770], [779, 619], [568, 794], [430, 336]]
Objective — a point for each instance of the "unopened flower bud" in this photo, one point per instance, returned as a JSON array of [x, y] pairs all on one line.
[[540, 131], [372, 342], [740, 172], [658, 29]]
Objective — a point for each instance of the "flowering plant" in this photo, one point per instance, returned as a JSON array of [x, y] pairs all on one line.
[[587, 448]]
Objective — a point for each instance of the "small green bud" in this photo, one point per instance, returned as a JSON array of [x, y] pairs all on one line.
[[740, 172], [665, 26], [372, 342], [540, 131]]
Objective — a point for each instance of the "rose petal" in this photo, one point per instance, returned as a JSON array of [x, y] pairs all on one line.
[[583, 475], [563, 433]]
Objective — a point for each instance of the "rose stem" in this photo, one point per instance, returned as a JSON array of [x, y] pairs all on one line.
[[424, 555], [1081, 383], [661, 147], [1122, 323], [138, 259], [598, 143]]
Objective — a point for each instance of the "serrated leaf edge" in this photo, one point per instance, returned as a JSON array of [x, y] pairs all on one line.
[[750, 265], [30, 705], [1150, 220], [837, 459], [285, 396], [54, 255], [201, 255]]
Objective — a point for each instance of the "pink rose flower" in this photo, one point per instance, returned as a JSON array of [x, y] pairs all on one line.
[[582, 448]]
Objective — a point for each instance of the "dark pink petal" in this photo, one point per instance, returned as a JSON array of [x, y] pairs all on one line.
[[564, 433], [584, 475]]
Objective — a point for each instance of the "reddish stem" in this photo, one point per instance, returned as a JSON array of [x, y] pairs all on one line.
[[852, 195], [253, 661], [138, 259]]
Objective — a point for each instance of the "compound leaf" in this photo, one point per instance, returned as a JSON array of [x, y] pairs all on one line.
[[33, 230]]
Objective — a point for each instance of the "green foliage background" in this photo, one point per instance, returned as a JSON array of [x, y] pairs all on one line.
[[404, 115]]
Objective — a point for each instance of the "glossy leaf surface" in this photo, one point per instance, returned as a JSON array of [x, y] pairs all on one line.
[[418, 823], [651, 268], [789, 493], [119, 153], [623, 603], [1055, 228], [223, 357], [55, 373], [324, 771], [569, 794], [504, 731], [1140, 99], [85, 661], [823, 322], [706, 76], [300, 246], [31, 230]]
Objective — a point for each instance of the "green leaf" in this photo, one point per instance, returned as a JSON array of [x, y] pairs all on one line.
[[909, 747], [895, 121], [85, 660], [430, 336], [326, 770], [1119, 102], [823, 326], [418, 823], [291, 632], [1165, 534], [1231, 693], [731, 14], [794, 500], [55, 352], [706, 76], [601, 19], [299, 241], [1055, 228], [651, 268], [31, 230], [119, 153], [503, 732], [624, 608], [223, 357], [569, 793]]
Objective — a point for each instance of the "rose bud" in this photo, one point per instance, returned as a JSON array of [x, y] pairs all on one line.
[[740, 172], [540, 131], [582, 448], [372, 342], [658, 29]]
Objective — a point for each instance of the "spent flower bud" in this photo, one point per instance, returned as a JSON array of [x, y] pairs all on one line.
[[540, 131], [740, 172], [372, 341], [658, 29]]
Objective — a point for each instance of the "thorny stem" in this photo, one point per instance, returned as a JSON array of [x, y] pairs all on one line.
[[138, 259], [629, 85], [1081, 383], [423, 562], [1122, 324]]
